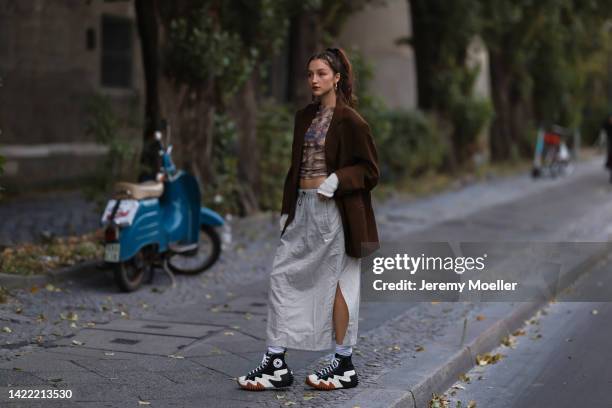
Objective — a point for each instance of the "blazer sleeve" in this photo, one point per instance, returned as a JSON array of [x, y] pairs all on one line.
[[286, 206], [364, 174]]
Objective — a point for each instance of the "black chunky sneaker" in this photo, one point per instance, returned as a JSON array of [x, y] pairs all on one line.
[[272, 373], [340, 373]]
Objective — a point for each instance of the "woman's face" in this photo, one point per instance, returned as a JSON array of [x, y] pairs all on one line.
[[321, 78]]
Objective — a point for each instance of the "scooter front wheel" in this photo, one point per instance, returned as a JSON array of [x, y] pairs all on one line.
[[131, 274], [209, 249]]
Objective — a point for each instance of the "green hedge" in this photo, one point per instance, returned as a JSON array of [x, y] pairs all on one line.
[[469, 116], [408, 143]]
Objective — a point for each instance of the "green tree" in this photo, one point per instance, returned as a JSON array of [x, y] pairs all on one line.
[[537, 51], [201, 59], [445, 80], [541, 57]]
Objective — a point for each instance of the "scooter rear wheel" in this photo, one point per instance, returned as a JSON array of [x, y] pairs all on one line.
[[131, 274], [209, 249]]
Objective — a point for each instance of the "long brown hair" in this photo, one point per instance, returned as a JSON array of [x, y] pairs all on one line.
[[338, 61]]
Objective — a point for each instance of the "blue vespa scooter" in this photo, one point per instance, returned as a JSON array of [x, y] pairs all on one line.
[[159, 223]]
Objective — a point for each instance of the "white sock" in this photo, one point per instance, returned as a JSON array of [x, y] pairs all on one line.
[[344, 350], [276, 349]]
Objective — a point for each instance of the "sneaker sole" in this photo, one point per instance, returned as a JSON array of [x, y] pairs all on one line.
[[328, 387], [261, 387], [253, 387], [321, 386]]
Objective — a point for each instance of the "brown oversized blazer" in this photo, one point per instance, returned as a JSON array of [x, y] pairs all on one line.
[[350, 153]]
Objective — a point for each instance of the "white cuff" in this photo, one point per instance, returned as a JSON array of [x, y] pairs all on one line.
[[283, 219], [329, 186]]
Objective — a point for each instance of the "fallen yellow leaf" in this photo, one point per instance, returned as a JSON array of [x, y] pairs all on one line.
[[488, 358], [509, 341], [465, 378]]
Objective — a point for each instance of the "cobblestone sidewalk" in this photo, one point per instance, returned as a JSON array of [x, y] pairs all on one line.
[[63, 213]]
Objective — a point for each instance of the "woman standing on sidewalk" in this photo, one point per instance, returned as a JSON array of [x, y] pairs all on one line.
[[327, 225]]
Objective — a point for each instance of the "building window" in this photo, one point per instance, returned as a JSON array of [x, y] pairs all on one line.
[[116, 52], [90, 42]]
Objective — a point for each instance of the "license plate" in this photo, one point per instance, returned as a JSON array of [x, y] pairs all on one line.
[[111, 253]]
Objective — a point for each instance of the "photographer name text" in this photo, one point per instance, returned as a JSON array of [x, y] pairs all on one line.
[[425, 286]]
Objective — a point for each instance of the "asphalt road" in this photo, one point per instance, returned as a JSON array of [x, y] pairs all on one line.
[[563, 360]]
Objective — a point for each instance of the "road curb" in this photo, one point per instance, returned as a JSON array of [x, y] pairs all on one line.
[[11, 281], [448, 361]]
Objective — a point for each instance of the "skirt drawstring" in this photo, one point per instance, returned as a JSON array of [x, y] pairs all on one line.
[[300, 198]]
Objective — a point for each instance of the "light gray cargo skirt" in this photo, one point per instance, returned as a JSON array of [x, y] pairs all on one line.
[[309, 262]]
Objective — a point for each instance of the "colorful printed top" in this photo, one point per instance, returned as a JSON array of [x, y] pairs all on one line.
[[313, 153]]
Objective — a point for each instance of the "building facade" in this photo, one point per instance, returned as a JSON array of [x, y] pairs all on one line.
[[54, 57]]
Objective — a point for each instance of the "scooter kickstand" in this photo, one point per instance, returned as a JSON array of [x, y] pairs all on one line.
[[169, 272]]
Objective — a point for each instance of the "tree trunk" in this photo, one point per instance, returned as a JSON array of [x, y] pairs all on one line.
[[501, 130], [188, 109], [244, 112], [512, 112], [424, 53], [304, 40], [146, 16]]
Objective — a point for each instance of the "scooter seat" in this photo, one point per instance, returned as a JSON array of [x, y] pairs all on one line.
[[148, 189]]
